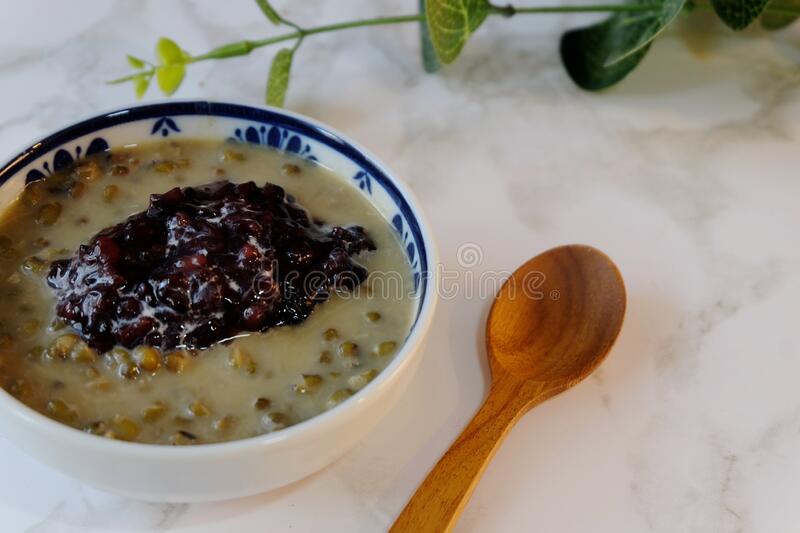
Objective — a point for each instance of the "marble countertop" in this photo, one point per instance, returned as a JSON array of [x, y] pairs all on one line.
[[686, 174]]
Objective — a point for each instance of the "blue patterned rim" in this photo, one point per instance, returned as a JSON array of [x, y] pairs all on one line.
[[272, 121]]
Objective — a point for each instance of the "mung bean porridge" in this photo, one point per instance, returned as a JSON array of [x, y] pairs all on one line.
[[240, 298]]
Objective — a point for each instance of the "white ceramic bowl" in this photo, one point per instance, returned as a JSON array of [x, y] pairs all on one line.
[[226, 470]]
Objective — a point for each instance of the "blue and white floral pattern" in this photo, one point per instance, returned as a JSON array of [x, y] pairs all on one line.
[[408, 244], [364, 181], [164, 126], [276, 137], [63, 159]]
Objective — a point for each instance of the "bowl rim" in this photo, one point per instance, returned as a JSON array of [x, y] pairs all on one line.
[[319, 423]]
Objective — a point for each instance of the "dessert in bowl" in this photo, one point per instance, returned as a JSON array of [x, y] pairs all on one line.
[[204, 300]]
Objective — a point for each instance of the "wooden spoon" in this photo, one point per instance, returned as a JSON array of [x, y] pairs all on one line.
[[552, 323]]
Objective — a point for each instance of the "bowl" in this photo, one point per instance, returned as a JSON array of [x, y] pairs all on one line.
[[233, 469]]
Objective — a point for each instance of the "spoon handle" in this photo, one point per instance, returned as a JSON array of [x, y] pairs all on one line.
[[440, 499]]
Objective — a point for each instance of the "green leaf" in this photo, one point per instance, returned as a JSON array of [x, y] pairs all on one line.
[[269, 11], [169, 53], [135, 62], [599, 56], [774, 19], [279, 77], [240, 48], [738, 14], [584, 53], [140, 85], [450, 24], [169, 78], [429, 60]]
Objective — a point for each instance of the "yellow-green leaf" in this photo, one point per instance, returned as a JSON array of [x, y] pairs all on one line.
[[269, 11], [169, 77], [279, 77], [140, 85], [168, 52], [450, 24], [135, 62]]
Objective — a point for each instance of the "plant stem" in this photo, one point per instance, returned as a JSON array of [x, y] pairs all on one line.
[[401, 19], [510, 11], [607, 8], [244, 47]]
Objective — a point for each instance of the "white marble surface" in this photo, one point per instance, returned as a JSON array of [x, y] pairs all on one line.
[[686, 174]]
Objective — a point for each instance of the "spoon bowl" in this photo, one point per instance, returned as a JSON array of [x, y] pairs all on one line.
[[552, 323], [557, 316]]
